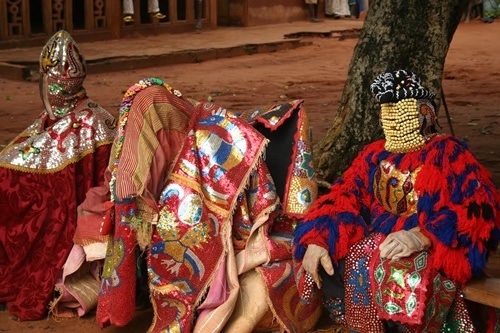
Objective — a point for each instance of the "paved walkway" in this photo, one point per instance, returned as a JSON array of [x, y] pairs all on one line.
[[186, 47]]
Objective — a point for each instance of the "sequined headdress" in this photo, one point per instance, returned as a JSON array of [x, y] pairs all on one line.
[[63, 69]]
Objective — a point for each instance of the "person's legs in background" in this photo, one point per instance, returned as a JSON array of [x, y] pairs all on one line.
[[329, 11], [154, 9], [354, 8], [128, 10], [313, 10]]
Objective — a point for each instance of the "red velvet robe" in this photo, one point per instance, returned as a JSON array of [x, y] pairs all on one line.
[[39, 195]]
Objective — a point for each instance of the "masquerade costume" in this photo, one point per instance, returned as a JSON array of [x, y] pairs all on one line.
[[45, 173], [217, 233], [413, 178]]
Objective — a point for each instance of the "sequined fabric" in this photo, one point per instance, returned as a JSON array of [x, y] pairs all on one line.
[[459, 320], [204, 210], [407, 291], [299, 188], [152, 115], [117, 292], [452, 188], [63, 69], [49, 149], [360, 311], [288, 157], [425, 180], [395, 190], [71, 126], [306, 285], [45, 174], [336, 309]]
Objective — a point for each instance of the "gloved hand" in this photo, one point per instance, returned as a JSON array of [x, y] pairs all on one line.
[[403, 243], [312, 258]]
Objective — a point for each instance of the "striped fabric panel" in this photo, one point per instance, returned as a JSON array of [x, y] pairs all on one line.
[[154, 114]]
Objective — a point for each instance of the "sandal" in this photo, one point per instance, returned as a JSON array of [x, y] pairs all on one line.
[[158, 15], [128, 18]]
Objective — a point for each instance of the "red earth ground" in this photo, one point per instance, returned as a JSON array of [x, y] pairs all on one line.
[[315, 73]]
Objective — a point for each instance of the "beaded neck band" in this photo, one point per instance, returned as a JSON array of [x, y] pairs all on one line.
[[125, 106]]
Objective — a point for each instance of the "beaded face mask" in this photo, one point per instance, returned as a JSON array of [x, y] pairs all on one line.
[[62, 72], [408, 113], [401, 127], [407, 124]]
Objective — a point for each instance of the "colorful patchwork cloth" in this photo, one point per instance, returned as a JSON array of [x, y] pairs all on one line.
[[220, 198], [408, 291], [200, 195], [219, 215], [153, 124]]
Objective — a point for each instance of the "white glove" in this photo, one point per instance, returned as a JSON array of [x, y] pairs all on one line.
[[312, 258], [403, 243]]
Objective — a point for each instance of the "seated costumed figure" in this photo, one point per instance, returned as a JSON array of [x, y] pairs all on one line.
[[207, 214], [405, 227], [45, 173]]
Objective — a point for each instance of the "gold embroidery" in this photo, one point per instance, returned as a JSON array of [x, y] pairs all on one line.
[[394, 189]]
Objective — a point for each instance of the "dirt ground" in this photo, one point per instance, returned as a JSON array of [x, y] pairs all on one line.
[[315, 73]]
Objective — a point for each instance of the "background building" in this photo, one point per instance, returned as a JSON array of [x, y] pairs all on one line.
[[31, 22]]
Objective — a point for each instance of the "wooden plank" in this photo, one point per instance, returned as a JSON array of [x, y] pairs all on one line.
[[47, 18], [172, 12], [190, 10], [3, 20], [485, 291], [211, 10], [114, 18], [89, 15], [68, 17]]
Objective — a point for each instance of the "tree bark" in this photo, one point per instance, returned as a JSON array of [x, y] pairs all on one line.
[[397, 34]]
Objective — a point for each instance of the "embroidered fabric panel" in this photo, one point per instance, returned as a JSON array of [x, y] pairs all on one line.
[[394, 189], [196, 204]]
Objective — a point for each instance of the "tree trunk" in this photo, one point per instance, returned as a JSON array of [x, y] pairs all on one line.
[[397, 34]]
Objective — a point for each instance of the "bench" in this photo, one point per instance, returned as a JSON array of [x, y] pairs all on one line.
[[484, 290]]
